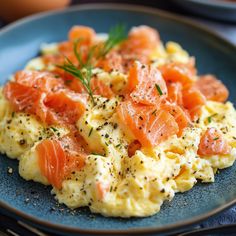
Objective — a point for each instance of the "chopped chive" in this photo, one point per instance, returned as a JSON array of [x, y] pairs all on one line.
[[54, 129], [216, 138], [118, 145], [90, 132], [158, 89], [234, 137], [209, 118], [13, 114]]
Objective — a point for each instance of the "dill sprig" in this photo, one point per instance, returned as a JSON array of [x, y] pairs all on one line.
[[158, 89], [116, 35], [87, 62], [84, 75], [83, 71]]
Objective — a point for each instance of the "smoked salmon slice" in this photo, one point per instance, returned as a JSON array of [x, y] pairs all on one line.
[[213, 143], [133, 147], [134, 76], [148, 86], [65, 107], [111, 62], [45, 97], [139, 45], [141, 39], [21, 97], [100, 88], [66, 50], [193, 100], [181, 116], [178, 72], [74, 84], [175, 93], [97, 86], [26, 99], [43, 81], [65, 47], [212, 88], [83, 33], [58, 158], [52, 160], [150, 125]]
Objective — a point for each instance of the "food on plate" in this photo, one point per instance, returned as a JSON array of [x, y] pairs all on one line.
[[119, 123]]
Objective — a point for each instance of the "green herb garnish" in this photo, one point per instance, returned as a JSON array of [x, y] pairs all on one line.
[[209, 118], [83, 71], [158, 89], [54, 129], [116, 36], [84, 75], [90, 132], [216, 138]]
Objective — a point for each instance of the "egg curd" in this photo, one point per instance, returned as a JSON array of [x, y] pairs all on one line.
[[111, 182]]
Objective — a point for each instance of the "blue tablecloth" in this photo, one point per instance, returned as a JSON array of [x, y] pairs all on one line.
[[228, 31]]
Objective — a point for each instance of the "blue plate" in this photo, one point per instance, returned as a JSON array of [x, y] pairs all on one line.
[[217, 9], [31, 201]]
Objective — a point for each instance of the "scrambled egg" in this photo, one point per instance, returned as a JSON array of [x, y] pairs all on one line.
[[135, 186]]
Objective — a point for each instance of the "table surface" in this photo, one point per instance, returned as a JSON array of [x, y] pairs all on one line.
[[226, 30]]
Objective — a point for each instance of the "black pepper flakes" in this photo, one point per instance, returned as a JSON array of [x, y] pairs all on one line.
[[163, 190], [22, 142]]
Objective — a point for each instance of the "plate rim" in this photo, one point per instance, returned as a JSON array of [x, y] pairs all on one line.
[[135, 8], [216, 4]]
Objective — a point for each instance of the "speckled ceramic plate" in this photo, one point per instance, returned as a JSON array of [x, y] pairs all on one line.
[[31, 201], [217, 9]]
